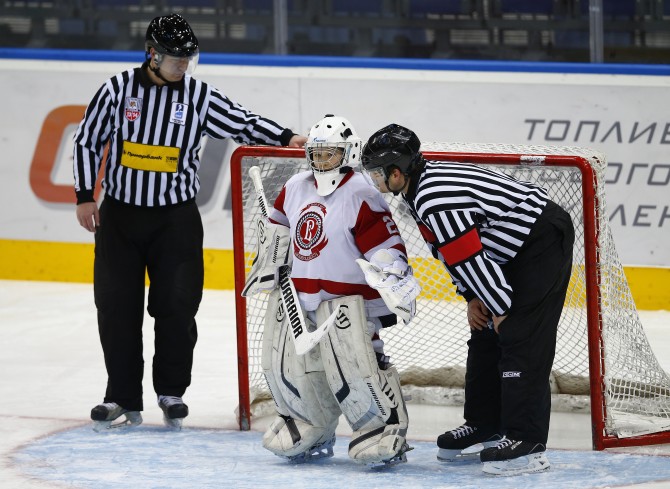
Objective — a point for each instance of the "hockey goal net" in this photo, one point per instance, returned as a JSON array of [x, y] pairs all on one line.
[[602, 350]]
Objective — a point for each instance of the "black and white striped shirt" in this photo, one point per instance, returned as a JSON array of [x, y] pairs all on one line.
[[155, 134], [475, 220]]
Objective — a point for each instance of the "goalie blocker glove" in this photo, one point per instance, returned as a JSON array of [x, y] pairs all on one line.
[[389, 273], [272, 252]]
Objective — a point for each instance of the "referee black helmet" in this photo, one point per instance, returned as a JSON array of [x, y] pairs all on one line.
[[171, 35], [392, 146]]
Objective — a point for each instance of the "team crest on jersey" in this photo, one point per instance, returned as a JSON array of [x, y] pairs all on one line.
[[310, 237], [133, 108]]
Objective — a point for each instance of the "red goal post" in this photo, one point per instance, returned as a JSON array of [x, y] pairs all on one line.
[[602, 350]]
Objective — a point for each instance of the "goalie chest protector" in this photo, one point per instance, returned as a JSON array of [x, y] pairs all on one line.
[[329, 233]]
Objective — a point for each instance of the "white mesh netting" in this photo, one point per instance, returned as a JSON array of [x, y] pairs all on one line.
[[430, 353]]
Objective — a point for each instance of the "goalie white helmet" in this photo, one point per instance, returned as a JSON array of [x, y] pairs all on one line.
[[332, 149]]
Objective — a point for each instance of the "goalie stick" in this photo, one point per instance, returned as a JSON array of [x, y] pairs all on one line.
[[303, 339]]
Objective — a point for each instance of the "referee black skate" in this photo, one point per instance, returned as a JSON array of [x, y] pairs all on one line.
[[508, 250], [151, 120]]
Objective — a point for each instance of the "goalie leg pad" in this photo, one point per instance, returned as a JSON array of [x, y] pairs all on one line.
[[386, 444], [299, 441], [307, 411], [370, 398]]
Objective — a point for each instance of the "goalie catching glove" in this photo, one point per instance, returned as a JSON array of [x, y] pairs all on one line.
[[273, 251], [389, 274]]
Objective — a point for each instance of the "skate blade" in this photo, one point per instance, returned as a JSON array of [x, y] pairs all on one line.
[[398, 458], [457, 456], [131, 419], [468, 454], [536, 462], [173, 423], [312, 456], [325, 450]]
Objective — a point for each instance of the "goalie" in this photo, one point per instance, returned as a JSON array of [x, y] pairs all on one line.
[[349, 266]]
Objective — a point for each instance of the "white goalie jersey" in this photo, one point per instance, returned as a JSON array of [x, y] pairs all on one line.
[[328, 233]]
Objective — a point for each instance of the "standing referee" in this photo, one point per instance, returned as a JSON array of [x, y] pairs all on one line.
[[508, 250], [154, 118]]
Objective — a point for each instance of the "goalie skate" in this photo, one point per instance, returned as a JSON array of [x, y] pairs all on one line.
[[398, 458], [106, 416], [322, 450]]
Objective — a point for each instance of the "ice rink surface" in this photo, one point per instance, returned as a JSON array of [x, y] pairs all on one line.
[[53, 374]]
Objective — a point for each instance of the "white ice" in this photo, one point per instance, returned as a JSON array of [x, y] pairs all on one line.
[[52, 373]]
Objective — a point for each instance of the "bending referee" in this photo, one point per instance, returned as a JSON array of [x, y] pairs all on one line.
[[154, 118], [508, 250]]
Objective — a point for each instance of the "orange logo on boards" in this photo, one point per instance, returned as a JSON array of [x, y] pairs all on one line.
[[46, 155]]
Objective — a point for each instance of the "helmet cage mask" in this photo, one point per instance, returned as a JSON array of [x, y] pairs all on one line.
[[327, 157], [332, 148]]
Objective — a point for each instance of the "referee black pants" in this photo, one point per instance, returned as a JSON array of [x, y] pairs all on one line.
[[166, 243], [507, 376]]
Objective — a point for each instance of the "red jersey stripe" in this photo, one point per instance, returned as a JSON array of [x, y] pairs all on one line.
[[314, 286], [279, 201], [373, 228]]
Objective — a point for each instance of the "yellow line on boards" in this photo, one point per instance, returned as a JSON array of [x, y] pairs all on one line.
[[73, 262]]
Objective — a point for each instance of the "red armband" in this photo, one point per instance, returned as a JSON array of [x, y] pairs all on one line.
[[461, 248]]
